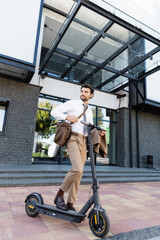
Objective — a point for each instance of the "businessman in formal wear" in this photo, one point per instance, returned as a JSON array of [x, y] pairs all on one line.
[[76, 145]]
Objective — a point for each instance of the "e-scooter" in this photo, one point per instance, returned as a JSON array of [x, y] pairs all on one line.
[[98, 220]]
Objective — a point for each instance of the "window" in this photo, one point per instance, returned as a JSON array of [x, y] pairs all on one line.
[[106, 119], [3, 115], [45, 130]]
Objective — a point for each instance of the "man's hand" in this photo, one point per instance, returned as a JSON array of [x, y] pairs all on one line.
[[102, 133], [72, 118]]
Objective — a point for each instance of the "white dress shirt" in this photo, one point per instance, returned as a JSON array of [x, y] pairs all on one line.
[[73, 107]]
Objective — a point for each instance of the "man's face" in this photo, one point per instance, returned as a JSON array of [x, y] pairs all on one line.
[[85, 94]]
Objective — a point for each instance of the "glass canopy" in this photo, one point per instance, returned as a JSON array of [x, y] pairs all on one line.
[[97, 47]]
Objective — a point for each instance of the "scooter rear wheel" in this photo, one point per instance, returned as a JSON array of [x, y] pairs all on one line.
[[31, 201], [101, 229]]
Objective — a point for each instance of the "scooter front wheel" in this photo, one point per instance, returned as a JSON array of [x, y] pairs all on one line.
[[29, 206], [101, 229]]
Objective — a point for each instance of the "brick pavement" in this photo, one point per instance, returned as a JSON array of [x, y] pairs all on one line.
[[130, 207]]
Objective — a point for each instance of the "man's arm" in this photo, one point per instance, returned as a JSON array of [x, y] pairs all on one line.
[[61, 111], [72, 118]]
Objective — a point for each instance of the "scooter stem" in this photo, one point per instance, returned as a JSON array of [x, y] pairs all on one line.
[[95, 183]]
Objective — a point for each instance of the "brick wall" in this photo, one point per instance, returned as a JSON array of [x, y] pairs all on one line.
[[123, 138], [149, 138], [17, 142]]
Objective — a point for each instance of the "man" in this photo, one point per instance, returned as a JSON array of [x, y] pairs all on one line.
[[76, 145]]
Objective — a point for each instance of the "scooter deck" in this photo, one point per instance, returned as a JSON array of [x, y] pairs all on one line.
[[53, 211]]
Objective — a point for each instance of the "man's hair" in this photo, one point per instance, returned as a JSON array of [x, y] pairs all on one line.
[[86, 85]]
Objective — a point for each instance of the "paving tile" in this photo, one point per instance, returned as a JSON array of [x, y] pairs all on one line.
[[155, 221], [120, 227], [2, 193], [21, 218], [51, 221], [130, 206], [4, 207], [18, 209], [6, 218], [87, 232], [127, 225], [68, 234], [70, 231], [23, 230], [6, 199], [42, 236]]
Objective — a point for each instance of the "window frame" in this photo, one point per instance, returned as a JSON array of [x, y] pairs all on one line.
[[4, 103]]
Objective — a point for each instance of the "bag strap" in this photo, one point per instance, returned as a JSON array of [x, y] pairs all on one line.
[[81, 114], [78, 116]]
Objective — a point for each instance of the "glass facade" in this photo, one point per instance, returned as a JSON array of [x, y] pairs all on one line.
[[95, 46], [44, 147], [106, 119], [45, 129]]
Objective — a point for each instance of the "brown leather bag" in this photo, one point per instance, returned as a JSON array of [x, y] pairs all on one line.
[[63, 131]]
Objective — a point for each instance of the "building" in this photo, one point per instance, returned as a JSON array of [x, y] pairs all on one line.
[[49, 48]]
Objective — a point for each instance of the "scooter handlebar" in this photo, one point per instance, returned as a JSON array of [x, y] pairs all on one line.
[[85, 123], [93, 126]]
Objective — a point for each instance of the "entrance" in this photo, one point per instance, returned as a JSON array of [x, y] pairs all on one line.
[[46, 151]]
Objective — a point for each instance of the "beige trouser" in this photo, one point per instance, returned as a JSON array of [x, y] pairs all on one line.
[[76, 147]]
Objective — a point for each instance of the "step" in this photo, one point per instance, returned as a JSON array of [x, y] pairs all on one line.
[[34, 175], [85, 175], [58, 181], [98, 170]]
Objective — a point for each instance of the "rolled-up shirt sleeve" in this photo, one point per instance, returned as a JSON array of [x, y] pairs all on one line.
[[60, 112]]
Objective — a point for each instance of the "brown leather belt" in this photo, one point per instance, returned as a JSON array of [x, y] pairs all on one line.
[[78, 134]]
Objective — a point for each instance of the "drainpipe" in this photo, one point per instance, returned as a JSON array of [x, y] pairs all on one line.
[[137, 136], [95, 155], [137, 128], [130, 126]]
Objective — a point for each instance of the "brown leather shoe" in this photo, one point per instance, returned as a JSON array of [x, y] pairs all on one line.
[[70, 206], [59, 201], [73, 209]]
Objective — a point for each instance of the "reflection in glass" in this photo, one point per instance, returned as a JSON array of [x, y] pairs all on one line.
[[80, 71], [114, 39], [98, 78], [121, 61], [44, 146], [58, 64], [51, 29], [64, 6], [82, 30], [2, 117], [103, 49], [120, 34], [115, 83], [103, 115], [106, 126], [152, 62], [91, 19]]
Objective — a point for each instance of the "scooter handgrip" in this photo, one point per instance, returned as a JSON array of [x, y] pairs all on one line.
[[85, 123]]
